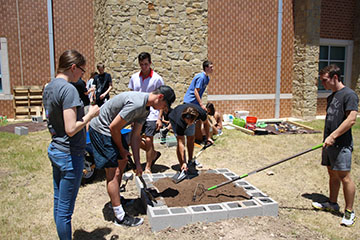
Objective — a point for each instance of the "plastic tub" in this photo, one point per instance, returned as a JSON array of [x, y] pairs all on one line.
[[251, 120], [239, 122]]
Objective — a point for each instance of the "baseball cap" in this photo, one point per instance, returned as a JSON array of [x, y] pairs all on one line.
[[169, 94]]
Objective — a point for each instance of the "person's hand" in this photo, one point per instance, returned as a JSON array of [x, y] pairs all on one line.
[[139, 170], [102, 96], [125, 154], [158, 124], [329, 141], [184, 167], [94, 110], [203, 107]]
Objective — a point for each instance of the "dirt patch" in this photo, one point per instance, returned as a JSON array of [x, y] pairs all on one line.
[[32, 127], [181, 194]]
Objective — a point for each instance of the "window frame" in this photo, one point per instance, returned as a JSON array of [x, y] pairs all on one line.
[[5, 74], [348, 44]]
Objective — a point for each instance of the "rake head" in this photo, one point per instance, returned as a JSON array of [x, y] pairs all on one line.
[[199, 192]]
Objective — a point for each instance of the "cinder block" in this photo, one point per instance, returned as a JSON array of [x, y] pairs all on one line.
[[208, 213], [171, 143], [21, 130], [269, 206], [37, 119], [161, 218], [249, 208]]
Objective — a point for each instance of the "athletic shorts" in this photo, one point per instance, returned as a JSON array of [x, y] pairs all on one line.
[[106, 153], [149, 128], [189, 131], [337, 158]]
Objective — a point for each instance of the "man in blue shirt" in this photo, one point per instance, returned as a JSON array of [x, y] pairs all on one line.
[[198, 85], [194, 94]]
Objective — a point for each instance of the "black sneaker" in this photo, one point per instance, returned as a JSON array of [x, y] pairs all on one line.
[[128, 221]]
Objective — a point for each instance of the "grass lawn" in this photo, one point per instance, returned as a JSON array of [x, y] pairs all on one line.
[[26, 189]]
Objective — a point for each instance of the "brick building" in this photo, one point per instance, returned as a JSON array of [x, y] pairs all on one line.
[[239, 36]]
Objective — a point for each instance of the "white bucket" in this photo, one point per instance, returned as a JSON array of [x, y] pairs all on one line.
[[242, 114]]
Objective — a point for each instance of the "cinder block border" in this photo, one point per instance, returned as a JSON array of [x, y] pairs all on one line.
[[161, 216]]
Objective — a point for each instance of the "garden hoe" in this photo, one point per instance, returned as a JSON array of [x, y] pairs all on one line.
[[192, 172], [203, 190]]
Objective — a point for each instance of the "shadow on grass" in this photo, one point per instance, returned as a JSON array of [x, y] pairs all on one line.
[[97, 234], [314, 197]]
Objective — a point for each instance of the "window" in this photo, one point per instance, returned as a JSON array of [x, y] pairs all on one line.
[[4, 71], [337, 52]]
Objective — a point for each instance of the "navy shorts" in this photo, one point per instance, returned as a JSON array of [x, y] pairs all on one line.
[[149, 128], [106, 153], [337, 158]]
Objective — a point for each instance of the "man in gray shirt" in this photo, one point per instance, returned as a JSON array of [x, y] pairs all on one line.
[[108, 143]]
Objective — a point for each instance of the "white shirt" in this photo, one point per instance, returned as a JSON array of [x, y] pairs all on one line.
[[148, 84]]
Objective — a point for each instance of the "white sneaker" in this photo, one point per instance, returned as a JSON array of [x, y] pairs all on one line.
[[326, 206], [198, 164], [348, 219]]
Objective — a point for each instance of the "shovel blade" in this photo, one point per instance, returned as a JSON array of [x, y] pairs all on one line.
[[179, 176]]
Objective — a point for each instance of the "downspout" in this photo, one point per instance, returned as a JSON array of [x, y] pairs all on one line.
[[51, 39], [19, 39], [278, 61]]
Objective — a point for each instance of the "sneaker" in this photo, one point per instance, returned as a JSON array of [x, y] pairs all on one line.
[[198, 164], [326, 206], [128, 221], [348, 219], [163, 133]]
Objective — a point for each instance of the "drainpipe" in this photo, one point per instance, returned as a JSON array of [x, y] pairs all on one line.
[[19, 39], [51, 39], [278, 61]]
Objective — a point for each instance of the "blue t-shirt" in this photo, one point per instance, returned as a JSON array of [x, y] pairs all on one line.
[[199, 81]]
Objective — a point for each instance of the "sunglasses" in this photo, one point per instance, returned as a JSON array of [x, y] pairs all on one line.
[[81, 68]]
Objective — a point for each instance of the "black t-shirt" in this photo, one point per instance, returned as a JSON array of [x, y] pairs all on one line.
[[175, 117], [102, 82], [81, 88], [337, 104]]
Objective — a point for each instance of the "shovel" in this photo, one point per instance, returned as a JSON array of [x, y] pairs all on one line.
[[147, 192], [179, 176], [263, 168]]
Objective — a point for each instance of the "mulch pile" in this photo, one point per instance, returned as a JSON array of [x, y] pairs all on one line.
[[32, 127], [181, 194]]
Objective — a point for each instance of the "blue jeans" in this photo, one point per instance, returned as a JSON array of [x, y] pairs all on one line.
[[67, 174]]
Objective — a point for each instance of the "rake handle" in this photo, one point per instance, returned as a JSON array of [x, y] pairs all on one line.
[[266, 167]]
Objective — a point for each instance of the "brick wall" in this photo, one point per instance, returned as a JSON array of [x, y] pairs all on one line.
[[74, 29], [242, 45], [337, 19]]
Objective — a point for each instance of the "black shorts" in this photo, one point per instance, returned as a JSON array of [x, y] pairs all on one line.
[[149, 128]]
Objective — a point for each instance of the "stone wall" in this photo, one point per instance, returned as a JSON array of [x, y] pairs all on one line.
[[306, 57], [173, 32]]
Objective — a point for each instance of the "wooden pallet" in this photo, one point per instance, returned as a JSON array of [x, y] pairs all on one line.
[[27, 101]]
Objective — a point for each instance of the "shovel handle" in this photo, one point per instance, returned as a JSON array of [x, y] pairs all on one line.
[[266, 167]]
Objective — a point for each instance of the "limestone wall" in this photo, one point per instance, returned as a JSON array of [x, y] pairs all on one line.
[[306, 57], [173, 32]]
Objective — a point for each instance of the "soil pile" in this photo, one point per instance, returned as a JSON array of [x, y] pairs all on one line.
[[181, 194]]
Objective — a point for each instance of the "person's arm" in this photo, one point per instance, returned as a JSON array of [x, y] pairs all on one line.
[[218, 120], [71, 125], [102, 96], [181, 152], [344, 127], [135, 146], [197, 96], [115, 129], [159, 121]]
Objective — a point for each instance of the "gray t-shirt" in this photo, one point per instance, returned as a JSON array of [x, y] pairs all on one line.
[[337, 104], [60, 95], [131, 106]]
